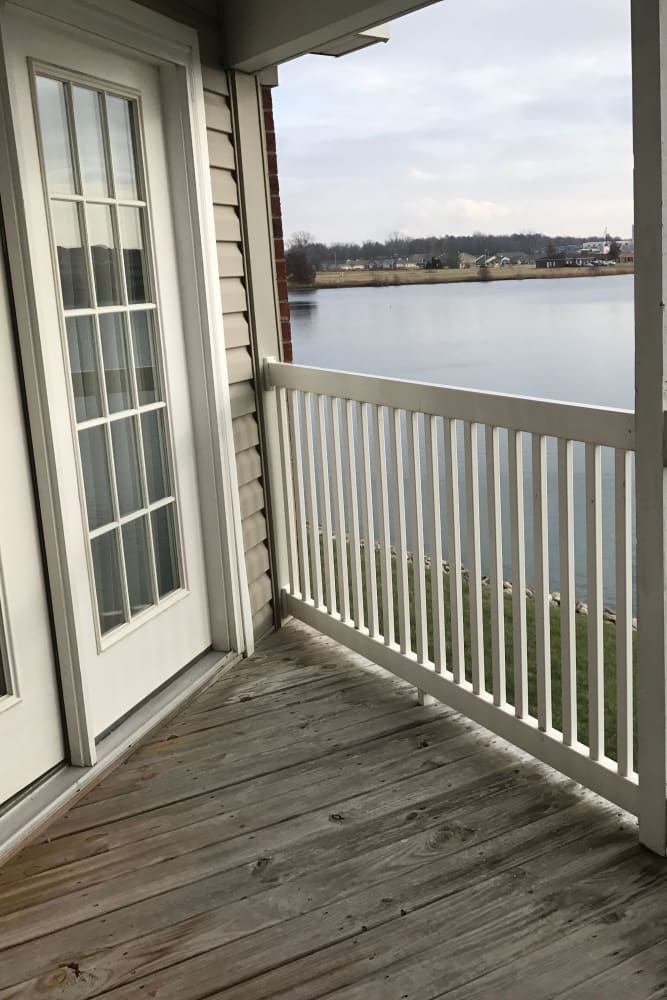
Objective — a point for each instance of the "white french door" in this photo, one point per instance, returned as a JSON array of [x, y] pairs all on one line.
[[89, 121], [30, 724]]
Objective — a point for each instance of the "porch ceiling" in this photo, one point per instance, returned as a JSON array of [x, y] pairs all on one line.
[[262, 33], [304, 828]]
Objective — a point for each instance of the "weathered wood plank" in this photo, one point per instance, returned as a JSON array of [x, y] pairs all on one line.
[[305, 834], [420, 863]]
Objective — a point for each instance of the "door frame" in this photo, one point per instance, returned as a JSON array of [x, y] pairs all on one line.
[[124, 26]]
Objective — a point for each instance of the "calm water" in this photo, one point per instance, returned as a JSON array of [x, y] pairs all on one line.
[[569, 339]]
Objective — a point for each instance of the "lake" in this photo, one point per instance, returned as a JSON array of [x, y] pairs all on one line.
[[568, 339]]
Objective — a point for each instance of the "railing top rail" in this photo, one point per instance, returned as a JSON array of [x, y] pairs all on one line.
[[609, 427]]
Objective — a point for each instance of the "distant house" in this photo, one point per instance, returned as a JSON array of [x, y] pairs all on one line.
[[521, 259], [467, 260], [577, 260]]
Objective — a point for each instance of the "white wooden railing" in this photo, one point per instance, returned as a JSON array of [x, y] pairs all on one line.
[[383, 478]]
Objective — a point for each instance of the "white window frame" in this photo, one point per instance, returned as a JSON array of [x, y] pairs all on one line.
[[124, 26]]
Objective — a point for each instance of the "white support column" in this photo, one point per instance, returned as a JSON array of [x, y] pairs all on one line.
[[649, 72]]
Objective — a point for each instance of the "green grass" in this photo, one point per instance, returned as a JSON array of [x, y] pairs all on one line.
[[581, 636]]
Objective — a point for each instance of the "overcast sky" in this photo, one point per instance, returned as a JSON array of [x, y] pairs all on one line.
[[486, 115]]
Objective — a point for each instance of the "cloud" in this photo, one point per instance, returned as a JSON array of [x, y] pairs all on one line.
[[485, 115]]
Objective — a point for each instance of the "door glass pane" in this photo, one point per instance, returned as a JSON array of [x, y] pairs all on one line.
[[54, 129], [157, 473], [126, 464], [104, 255], [137, 567], [83, 367], [116, 368], [95, 466], [145, 358], [90, 142], [134, 256], [106, 567], [103, 247], [70, 254], [164, 544], [123, 155]]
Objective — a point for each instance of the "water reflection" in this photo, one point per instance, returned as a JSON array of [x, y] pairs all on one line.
[[566, 339]]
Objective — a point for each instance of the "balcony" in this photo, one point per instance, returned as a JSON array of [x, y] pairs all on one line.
[[402, 794], [305, 828]]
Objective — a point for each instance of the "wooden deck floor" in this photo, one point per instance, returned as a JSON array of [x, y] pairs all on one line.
[[304, 829]]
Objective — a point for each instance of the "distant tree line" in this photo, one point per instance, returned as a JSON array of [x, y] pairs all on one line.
[[306, 255]]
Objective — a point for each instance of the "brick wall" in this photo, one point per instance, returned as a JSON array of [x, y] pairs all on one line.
[[276, 214]]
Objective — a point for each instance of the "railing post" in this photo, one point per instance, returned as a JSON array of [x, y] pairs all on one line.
[[649, 78]]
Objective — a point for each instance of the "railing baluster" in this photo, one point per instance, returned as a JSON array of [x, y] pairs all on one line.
[[327, 534], [624, 696], [363, 424], [568, 649], [288, 490], [311, 503], [496, 566], [474, 558], [385, 534], [542, 610], [337, 464], [594, 574], [418, 564], [299, 493], [454, 549], [353, 509], [396, 438], [339, 511], [435, 530], [518, 536]]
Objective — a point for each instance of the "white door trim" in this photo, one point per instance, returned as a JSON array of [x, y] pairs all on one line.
[[120, 25]]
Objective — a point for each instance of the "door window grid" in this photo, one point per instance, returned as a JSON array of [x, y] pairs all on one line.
[[133, 533]]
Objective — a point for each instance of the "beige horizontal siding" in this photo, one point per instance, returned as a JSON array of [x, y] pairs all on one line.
[[262, 622], [228, 235], [230, 260], [257, 560], [242, 397], [246, 433], [220, 150], [239, 364], [248, 466], [227, 224], [251, 498], [254, 530], [233, 295], [237, 332]]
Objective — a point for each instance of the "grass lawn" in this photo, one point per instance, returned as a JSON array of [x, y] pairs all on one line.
[[581, 633]]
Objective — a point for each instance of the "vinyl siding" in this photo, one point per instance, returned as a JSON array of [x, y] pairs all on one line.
[[237, 345]]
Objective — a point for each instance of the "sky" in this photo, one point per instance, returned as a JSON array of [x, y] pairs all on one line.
[[510, 116]]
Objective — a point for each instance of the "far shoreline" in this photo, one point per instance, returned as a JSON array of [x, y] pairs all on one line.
[[444, 276]]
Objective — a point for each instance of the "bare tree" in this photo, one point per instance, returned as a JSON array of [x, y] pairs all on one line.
[[300, 240]]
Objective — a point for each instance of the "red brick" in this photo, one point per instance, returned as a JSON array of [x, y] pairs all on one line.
[[275, 206], [287, 351], [271, 147], [284, 309]]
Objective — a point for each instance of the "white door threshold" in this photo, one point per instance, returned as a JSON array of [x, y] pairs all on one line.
[[46, 800]]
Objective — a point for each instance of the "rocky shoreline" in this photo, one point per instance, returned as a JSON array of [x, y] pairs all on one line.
[[581, 607]]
